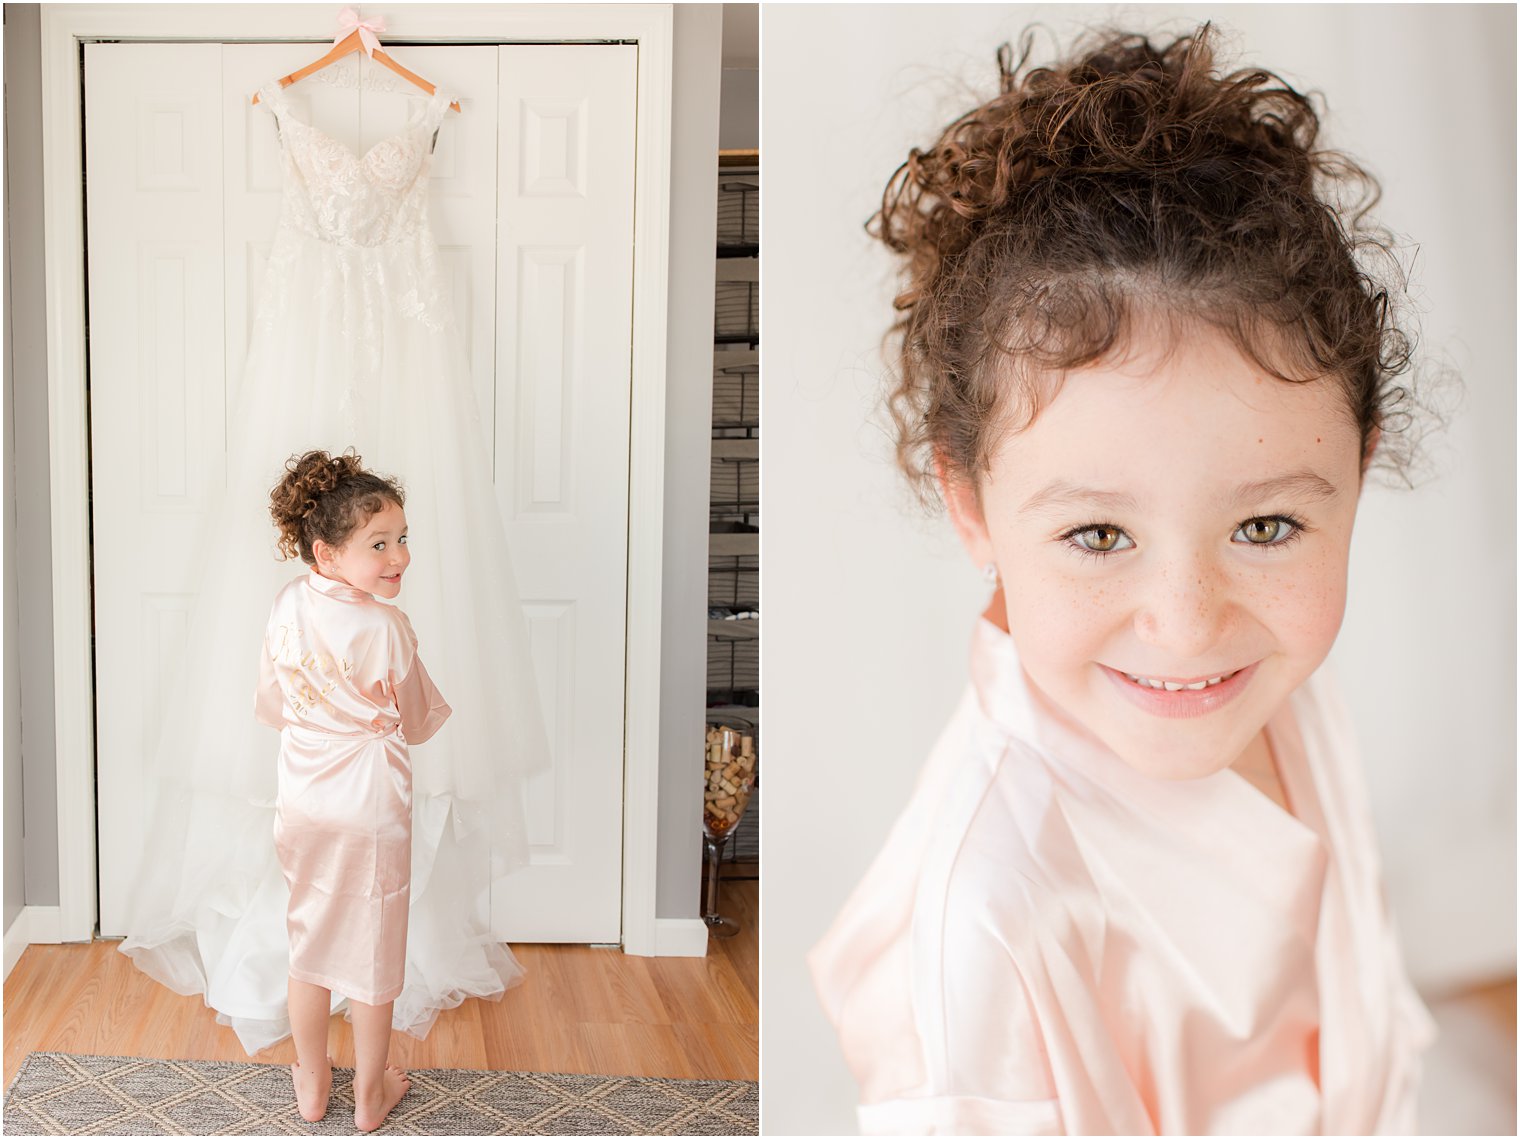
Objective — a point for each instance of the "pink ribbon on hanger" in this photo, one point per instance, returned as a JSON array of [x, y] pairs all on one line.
[[348, 21]]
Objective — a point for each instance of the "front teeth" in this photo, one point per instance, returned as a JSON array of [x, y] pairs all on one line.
[[1170, 686]]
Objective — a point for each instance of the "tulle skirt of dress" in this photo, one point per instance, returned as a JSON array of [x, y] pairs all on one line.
[[353, 346]]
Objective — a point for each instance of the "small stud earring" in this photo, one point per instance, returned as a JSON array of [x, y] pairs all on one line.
[[990, 574]]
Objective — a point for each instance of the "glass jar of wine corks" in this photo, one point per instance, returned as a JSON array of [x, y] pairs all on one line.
[[728, 778], [730, 775]]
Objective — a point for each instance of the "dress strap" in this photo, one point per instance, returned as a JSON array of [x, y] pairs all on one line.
[[434, 113], [438, 106], [272, 97]]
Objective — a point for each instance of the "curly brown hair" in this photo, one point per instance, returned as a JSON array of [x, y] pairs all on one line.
[[326, 497], [1129, 181]]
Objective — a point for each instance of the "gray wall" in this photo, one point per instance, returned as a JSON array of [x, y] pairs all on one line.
[[739, 114], [15, 855], [31, 805], [688, 429], [31, 863]]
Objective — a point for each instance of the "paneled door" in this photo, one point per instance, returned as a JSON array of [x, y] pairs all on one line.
[[533, 212]]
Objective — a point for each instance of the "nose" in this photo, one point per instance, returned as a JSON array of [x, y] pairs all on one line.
[[1185, 607]]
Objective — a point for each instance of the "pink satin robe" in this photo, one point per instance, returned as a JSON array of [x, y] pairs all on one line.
[[341, 678], [1052, 943]]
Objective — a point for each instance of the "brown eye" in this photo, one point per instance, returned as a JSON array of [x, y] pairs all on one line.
[[1102, 539], [1266, 531]]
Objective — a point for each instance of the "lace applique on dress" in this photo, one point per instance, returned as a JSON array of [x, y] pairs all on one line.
[[354, 232]]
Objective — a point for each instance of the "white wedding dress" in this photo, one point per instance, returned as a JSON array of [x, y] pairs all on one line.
[[354, 345]]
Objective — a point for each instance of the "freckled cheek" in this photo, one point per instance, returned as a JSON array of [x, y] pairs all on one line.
[[1303, 609], [1058, 621]]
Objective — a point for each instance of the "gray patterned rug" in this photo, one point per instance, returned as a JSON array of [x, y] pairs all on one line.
[[60, 1093]]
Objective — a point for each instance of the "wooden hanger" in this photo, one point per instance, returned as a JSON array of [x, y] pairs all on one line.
[[362, 37]]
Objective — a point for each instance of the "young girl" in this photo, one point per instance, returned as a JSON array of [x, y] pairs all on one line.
[[341, 678], [1136, 889]]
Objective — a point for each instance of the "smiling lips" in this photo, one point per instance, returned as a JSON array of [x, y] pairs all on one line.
[[1179, 685], [1176, 698]]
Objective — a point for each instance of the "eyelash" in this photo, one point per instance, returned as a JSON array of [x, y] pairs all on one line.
[[1300, 528], [401, 541]]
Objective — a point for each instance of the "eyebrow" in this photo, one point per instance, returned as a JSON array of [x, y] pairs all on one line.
[[1303, 486], [1061, 493]]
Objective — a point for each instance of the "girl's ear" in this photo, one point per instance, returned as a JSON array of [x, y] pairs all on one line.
[[322, 552], [1371, 448], [958, 493]]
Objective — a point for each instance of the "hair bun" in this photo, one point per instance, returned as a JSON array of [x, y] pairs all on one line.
[[298, 495], [1127, 175]]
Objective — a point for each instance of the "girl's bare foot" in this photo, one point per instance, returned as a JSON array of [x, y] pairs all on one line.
[[372, 1105], [313, 1086]]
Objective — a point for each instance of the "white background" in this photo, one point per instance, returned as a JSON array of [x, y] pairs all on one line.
[[869, 603]]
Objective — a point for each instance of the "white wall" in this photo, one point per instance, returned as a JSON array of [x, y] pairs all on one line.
[[688, 429], [869, 604]]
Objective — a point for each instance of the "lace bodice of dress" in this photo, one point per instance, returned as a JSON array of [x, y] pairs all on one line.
[[337, 196]]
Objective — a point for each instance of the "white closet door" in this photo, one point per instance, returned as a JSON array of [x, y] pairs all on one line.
[[564, 313], [153, 160], [182, 204]]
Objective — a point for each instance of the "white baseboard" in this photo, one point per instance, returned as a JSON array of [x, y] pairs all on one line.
[[680, 937], [16, 940], [34, 925], [47, 924]]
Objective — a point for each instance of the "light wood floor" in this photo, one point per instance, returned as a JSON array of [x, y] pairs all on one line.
[[587, 1010]]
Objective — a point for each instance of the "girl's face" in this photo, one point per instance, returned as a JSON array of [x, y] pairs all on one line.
[[374, 557], [1172, 534]]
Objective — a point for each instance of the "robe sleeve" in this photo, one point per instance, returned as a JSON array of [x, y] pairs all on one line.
[[987, 1066], [936, 1016], [418, 701], [986, 1052], [960, 1115], [973, 1059], [269, 701], [981, 987]]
